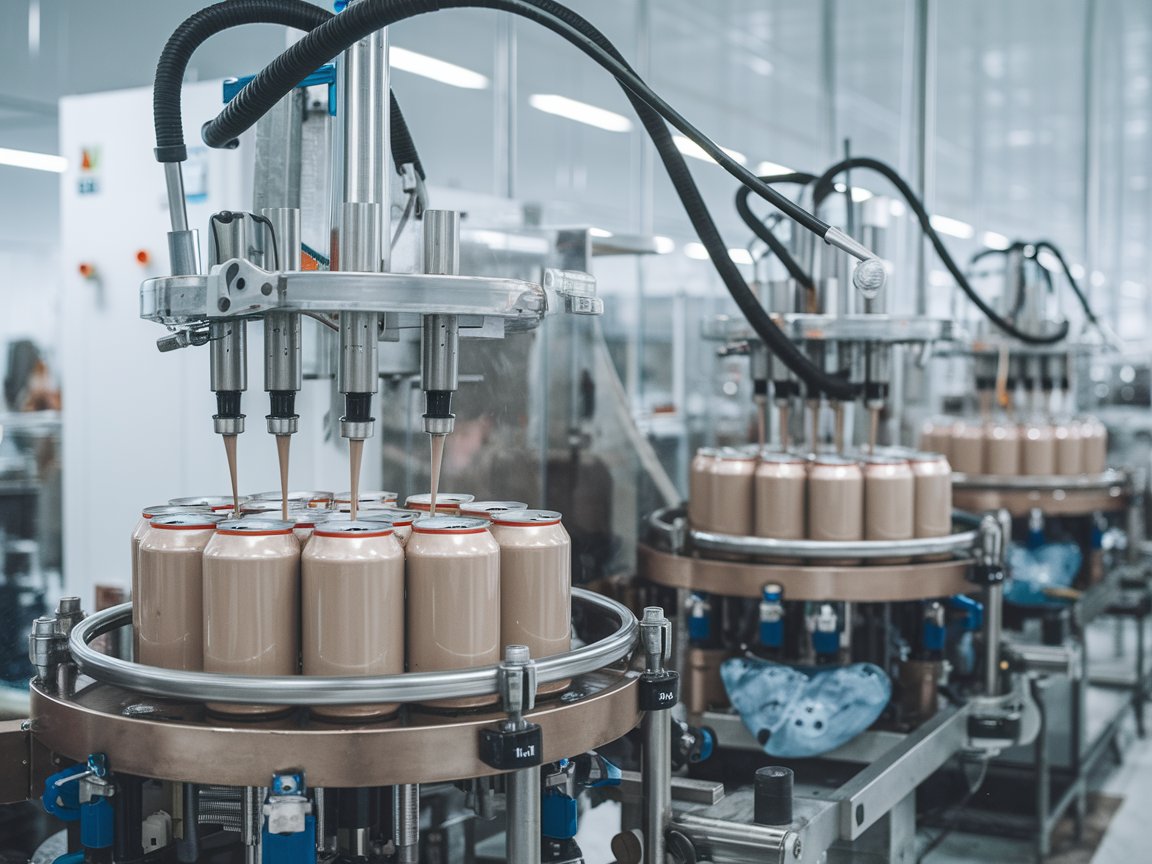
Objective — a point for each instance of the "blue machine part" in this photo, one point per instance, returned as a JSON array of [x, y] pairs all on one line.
[[707, 744], [826, 643], [298, 848], [593, 771], [796, 713], [66, 798], [973, 611], [559, 815], [326, 74], [771, 631], [933, 634], [1034, 570], [296, 842], [699, 619]]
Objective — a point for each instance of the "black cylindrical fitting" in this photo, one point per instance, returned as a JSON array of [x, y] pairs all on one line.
[[282, 403], [358, 407], [773, 796], [437, 403], [128, 802], [228, 403]]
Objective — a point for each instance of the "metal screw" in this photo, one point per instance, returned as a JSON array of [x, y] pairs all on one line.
[[223, 304], [266, 288], [797, 848]]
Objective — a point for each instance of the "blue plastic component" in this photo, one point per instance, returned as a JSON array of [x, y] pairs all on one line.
[[933, 636], [708, 744], [973, 611], [324, 75], [796, 713], [62, 799], [96, 824], [298, 848], [826, 643], [700, 619], [559, 815], [772, 634], [1052, 565], [70, 858]]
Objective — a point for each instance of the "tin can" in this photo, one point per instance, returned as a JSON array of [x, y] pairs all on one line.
[[169, 598], [933, 481], [936, 435], [400, 520], [889, 498], [453, 599], [966, 452], [138, 532], [252, 604], [1038, 450], [216, 503], [352, 608], [489, 509], [266, 509], [1069, 449], [300, 499], [535, 584], [343, 500], [700, 489], [1094, 435], [835, 501], [1002, 449], [447, 503], [733, 482], [781, 484]]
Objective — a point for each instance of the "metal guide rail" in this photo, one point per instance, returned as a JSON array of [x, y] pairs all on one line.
[[1056, 495], [880, 328], [678, 556], [240, 289]]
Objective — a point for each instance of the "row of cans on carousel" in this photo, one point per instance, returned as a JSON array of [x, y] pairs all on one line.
[[251, 596], [1005, 448], [897, 495]]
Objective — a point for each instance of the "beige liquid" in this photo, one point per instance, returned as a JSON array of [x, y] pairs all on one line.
[[453, 605], [838, 429], [251, 610], [355, 457], [814, 421], [283, 445], [783, 413], [873, 428], [437, 466], [170, 598], [536, 590], [352, 613], [230, 451], [761, 429]]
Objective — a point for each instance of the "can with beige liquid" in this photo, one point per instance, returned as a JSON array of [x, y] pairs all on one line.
[[700, 488], [352, 608], [216, 503], [453, 583], [447, 503], [1094, 435], [967, 449], [1069, 449], [933, 495], [252, 604], [936, 436], [1002, 449], [1038, 450], [835, 501], [732, 483], [400, 520], [343, 500], [138, 532], [535, 584], [299, 499], [169, 597], [781, 490], [489, 509]]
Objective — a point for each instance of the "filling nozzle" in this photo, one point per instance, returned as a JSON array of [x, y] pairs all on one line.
[[360, 250], [877, 375], [228, 340], [440, 335], [283, 375]]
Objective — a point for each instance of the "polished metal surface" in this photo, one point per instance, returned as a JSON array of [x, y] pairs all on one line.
[[1109, 492], [725, 842], [406, 822], [993, 634], [282, 365], [878, 583], [888, 329], [177, 208], [523, 835], [668, 527], [1110, 479], [320, 690], [15, 762], [171, 740]]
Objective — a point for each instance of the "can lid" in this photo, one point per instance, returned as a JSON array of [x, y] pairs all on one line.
[[215, 502], [832, 459], [254, 527], [265, 505], [882, 459], [168, 509], [424, 500], [305, 498], [926, 456], [778, 458], [483, 508], [186, 521], [365, 497], [391, 515], [351, 528], [450, 525], [707, 452], [735, 454], [527, 518]]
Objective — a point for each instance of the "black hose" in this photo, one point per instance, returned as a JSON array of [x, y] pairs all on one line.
[[762, 231], [366, 17], [1089, 313], [824, 187], [201, 26], [1016, 246]]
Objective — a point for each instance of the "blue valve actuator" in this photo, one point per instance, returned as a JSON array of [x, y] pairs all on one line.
[[973, 611], [826, 643], [933, 636], [559, 815]]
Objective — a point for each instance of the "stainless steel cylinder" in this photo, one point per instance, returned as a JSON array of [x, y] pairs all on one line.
[[406, 822], [442, 242], [993, 633], [282, 366], [656, 783], [523, 838]]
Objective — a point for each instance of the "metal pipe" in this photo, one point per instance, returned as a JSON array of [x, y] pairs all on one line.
[[188, 846], [228, 340], [440, 337], [725, 842], [993, 633], [283, 372], [177, 209], [336, 690], [250, 828], [656, 758], [406, 823], [524, 816]]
